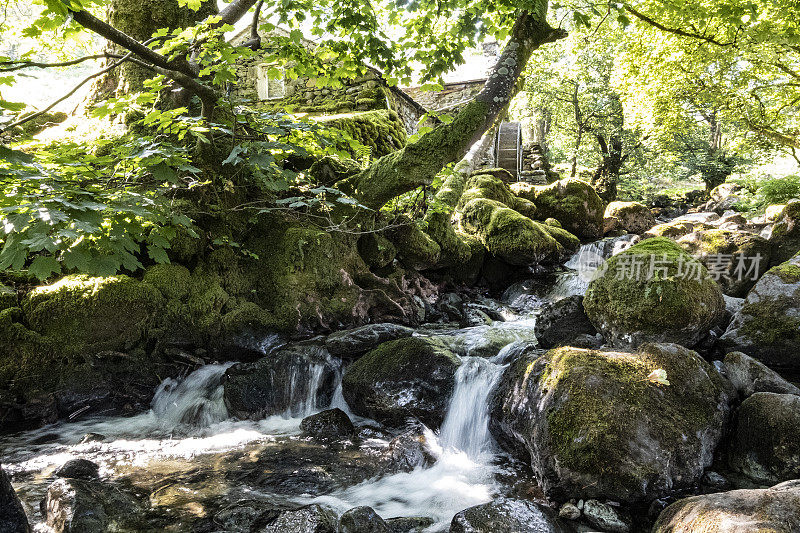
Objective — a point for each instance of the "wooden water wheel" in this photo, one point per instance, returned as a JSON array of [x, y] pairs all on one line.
[[508, 148]]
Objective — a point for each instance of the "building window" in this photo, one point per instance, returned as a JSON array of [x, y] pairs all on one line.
[[270, 88]]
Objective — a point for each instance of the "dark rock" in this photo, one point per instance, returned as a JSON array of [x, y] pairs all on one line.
[[452, 306], [309, 519], [80, 506], [768, 325], [331, 424], [409, 524], [12, 514], [715, 482], [362, 520], [562, 321], [92, 437], [248, 515], [407, 378], [410, 449], [606, 517], [281, 383], [351, 343], [79, 469], [776, 509], [766, 438], [599, 424], [505, 514], [749, 376]]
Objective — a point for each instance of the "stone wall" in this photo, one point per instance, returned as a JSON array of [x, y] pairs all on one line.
[[450, 99]]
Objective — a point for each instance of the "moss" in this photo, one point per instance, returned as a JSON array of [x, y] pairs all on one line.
[[382, 131], [330, 169], [98, 313], [174, 281], [664, 304], [454, 248], [553, 222], [399, 359], [787, 272], [508, 235], [8, 297], [768, 323], [574, 203], [248, 317], [486, 186], [673, 230], [376, 250], [607, 399]]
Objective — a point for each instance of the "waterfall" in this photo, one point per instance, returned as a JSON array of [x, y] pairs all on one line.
[[195, 401], [466, 425]]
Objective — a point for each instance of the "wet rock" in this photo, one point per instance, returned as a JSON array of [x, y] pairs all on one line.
[[245, 516], [749, 376], [573, 202], [407, 378], [79, 469], [362, 520], [309, 519], [409, 524], [633, 216], [410, 449], [715, 482], [729, 255], [776, 509], [601, 424], [81, 506], [569, 511], [290, 381], [732, 306], [785, 235], [765, 444], [92, 437], [505, 514], [654, 292], [351, 343], [331, 424], [606, 517], [768, 325], [562, 321], [12, 515]]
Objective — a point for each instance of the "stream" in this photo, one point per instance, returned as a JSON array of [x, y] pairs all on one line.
[[190, 459]]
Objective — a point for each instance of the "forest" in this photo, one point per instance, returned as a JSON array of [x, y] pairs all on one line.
[[400, 266]]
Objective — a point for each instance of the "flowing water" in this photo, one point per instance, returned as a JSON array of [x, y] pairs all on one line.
[[188, 429]]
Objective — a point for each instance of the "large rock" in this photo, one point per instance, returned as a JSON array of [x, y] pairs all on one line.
[[724, 197], [561, 322], [309, 519], [406, 378], [79, 469], [766, 439], [773, 510], [351, 343], [633, 216], [292, 381], [729, 257], [675, 229], [654, 291], [767, 326], [507, 515], [82, 506], [785, 235], [749, 376], [12, 515], [493, 188], [600, 424], [574, 203], [512, 237], [362, 520], [331, 424]]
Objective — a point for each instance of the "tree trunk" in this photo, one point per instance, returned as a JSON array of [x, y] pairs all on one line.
[[606, 176], [140, 19], [418, 163]]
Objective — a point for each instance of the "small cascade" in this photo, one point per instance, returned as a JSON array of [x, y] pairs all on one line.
[[466, 426], [310, 384], [195, 401]]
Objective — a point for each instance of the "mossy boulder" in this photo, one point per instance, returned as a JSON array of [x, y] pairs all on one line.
[[773, 510], [329, 169], [593, 424], [765, 444], [675, 301], [415, 248], [633, 216], [493, 188], [774, 212], [574, 203], [401, 379], [729, 255], [454, 245], [93, 313], [512, 237], [8, 297], [785, 235], [376, 250], [675, 229], [767, 326]]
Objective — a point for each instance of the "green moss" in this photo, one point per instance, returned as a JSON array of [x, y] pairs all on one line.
[[574, 203], [673, 230], [99, 313], [767, 321], [382, 131], [415, 248], [8, 297], [376, 250], [663, 303], [553, 222], [787, 272], [394, 360], [174, 281], [487, 186], [330, 169], [454, 248]]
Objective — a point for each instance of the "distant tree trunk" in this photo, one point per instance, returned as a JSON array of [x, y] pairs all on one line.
[[140, 19], [606, 176]]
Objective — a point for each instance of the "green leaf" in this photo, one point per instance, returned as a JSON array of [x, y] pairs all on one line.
[[44, 266], [157, 253]]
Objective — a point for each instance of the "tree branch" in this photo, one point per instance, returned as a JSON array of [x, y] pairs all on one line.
[[675, 31], [254, 43], [19, 65]]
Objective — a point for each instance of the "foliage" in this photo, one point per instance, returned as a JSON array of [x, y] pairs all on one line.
[[761, 193]]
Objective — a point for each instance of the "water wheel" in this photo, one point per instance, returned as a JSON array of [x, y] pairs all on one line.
[[508, 148]]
